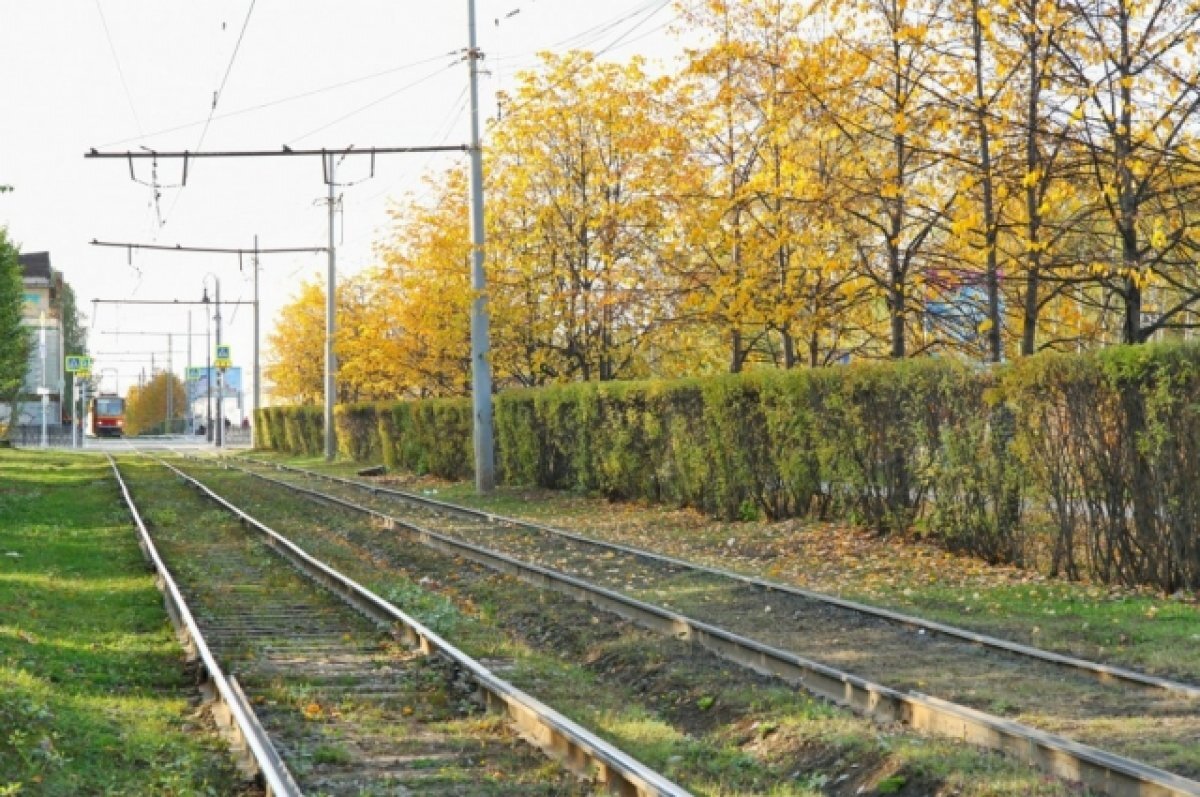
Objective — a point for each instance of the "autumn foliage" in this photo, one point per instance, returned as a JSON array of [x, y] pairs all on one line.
[[146, 405], [813, 182]]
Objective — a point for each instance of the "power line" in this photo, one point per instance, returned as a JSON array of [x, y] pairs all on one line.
[[588, 36], [120, 71], [441, 135], [215, 100], [373, 103], [653, 7], [267, 153], [159, 301], [595, 32], [213, 250], [119, 332], [228, 69], [283, 100]]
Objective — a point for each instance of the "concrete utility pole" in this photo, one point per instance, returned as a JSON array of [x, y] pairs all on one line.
[[191, 414], [208, 418], [330, 322], [481, 371], [257, 371], [170, 383], [220, 433]]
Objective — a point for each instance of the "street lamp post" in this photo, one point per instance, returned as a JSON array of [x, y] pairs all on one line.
[[217, 436], [208, 434], [44, 390]]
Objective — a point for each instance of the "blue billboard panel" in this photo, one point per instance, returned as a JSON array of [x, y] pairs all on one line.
[[231, 382]]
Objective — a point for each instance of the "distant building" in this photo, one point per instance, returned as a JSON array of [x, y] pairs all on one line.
[[43, 314]]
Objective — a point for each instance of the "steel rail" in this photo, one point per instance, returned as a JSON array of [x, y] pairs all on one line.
[[560, 737], [1107, 772], [1102, 672], [233, 712]]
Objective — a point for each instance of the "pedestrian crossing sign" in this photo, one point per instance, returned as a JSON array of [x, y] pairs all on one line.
[[78, 363]]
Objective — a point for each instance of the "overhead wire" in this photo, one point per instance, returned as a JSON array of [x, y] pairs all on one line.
[[216, 99], [440, 136], [283, 100], [373, 103], [654, 8], [112, 49], [589, 36], [225, 78], [155, 194], [650, 9]]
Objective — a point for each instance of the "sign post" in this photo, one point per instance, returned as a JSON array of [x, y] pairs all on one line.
[[193, 376], [80, 366], [83, 402], [223, 360]]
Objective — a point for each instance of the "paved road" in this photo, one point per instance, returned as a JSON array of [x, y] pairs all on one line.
[[180, 442]]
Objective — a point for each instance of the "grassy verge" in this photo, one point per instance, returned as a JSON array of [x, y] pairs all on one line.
[[1133, 628], [93, 694], [717, 729]]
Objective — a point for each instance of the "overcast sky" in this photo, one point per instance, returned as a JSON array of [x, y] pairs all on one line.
[[119, 75]]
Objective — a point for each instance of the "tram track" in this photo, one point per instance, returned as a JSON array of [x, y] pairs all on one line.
[[951, 683], [340, 706]]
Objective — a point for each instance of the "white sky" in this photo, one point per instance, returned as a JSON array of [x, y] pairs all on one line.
[[63, 94]]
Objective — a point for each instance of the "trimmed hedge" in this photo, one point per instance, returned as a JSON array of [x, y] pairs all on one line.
[[296, 430], [1104, 445], [1112, 442]]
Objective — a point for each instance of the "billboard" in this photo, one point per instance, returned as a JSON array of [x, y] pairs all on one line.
[[200, 378]]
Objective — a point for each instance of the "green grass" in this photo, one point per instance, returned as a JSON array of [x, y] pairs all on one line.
[[1161, 635], [93, 692]]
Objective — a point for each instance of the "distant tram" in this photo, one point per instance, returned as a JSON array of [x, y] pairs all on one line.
[[106, 416]]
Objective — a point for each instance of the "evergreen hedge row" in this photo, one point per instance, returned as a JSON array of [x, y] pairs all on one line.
[[1100, 450]]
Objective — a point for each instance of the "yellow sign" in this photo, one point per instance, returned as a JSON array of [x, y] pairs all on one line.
[[76, 363]]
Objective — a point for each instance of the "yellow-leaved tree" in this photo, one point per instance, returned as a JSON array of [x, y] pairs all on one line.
[[424, 292], [147, 406], [296, 346], [577, 222]]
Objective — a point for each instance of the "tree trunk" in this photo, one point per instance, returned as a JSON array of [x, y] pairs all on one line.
[[1033, 164], [896, 308], [789, 349], [994, 339], [1029, 328]]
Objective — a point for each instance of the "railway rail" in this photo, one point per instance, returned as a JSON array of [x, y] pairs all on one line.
[[931, 676], [324, 701]]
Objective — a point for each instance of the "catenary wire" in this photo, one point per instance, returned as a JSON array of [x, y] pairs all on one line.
[[373, 103], [283, 100], [112, 48]]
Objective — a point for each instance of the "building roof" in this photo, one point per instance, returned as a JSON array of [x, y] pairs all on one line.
[[35, 265]]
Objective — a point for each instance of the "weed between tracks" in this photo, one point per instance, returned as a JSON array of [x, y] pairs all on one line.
[[711, 726], [94, 698], [349, 709], [1133, 628]]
